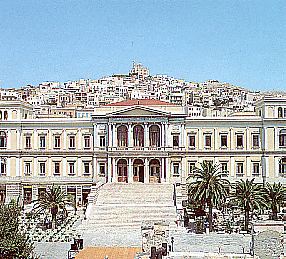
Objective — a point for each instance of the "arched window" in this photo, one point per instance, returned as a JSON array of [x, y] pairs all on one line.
[[2, 166], [0, 115], [138, 136], [280, 114], [282, 138], [3, 139], [122, 136], [154, 135], [282, 166]]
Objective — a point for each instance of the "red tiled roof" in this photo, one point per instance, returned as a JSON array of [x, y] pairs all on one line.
[[144, 102]]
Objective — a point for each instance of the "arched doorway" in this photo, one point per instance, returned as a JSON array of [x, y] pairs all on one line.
[[154, 171], [154, 136], [122, 175], [122, 136], [138, 136], [138, 171]]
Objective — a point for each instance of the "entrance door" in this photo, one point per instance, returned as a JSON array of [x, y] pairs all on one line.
[[122, 171], [155, 172], [138, 171]]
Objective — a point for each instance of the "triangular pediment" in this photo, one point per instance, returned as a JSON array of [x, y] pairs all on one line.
[[138, 111]]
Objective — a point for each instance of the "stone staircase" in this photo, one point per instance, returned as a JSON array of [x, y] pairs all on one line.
[[120, 208]]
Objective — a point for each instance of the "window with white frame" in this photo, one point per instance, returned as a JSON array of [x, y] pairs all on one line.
[[223, 140], [282, 166], [27, 168], [175, 140], [28, 142], [42, 168], [239, 169], [239, 140], [282, 138], [192, 167], [86, 169], [255, 168], [87, 142], [208, 141], [71, 168], [57, 141], [3, 139], [255, 140], [3, 166], [56, 168], [224, 167], [176, 169], [192, 141], [102, 142], [102, 169], [71, 142], [42, 142]]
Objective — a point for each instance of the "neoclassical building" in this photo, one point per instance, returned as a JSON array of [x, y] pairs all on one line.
[[146, 141]]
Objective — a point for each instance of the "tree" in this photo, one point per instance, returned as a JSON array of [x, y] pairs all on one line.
[[14, 243], [52, 201], [249, 197], [209, 187], [275, 197]]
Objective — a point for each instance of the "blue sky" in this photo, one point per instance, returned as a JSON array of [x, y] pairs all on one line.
[[238, 41]]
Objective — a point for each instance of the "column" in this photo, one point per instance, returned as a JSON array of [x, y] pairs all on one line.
[[79, 166], [79, 140], [35, 144], [65, 166], [35, 167], [248, 168], [114, 177], [130, 136], [109, 143], [146, 171], [18, 167], [50, 167], [130, 171], [65, 140], [146, 136], [168, 172], [8, 172], [111, 164], [114, 137], [95, 136], [162, 170]]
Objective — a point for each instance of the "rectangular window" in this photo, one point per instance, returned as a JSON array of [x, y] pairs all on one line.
[[72, 142], [223, 141], [282, 139], [255, 170], [71, 168], [192, 141], [86, 142], [28, 142], [176, 141], [176, 167], [86, 168], [27, 168], [102, 141], [57, 168], [42, 142], [239, 141], [57, 142], [192, 166], [239, 169], [255, 140], [224, 168], [42, 168], [208, 141], [102, 169]]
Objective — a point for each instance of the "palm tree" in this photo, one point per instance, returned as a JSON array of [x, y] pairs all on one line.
[[249, 196], [275, 195], [210, 187], [52, 200]]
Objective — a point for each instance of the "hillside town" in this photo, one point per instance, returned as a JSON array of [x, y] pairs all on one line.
[[77, 99]]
